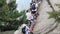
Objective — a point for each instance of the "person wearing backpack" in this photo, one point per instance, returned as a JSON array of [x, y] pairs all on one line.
[[34, 9], [25, 29]]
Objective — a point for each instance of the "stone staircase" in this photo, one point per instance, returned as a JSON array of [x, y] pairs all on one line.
[[44, 24]]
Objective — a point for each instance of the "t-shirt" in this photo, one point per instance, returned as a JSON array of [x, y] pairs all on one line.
[[29, 16]]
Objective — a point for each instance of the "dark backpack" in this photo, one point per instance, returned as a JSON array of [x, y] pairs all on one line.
[[23, 29], [33, 7]]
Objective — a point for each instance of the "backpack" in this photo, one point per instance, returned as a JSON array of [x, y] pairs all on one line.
[[23, 29], [33, 7]]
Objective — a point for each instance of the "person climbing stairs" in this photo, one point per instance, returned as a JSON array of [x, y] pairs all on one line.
[[35, 15]]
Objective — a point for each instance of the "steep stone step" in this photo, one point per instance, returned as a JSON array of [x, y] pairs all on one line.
[[43, 23]]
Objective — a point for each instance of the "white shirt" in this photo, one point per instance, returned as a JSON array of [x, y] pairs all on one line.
[[29, 16], [35, 9], [23, 25]]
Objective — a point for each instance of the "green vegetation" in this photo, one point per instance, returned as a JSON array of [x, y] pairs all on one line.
[[55, 14], [58, 5], [10, 18]]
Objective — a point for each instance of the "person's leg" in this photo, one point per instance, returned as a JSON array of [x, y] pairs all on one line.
[[27, 32], [29, 23], [32, 21]]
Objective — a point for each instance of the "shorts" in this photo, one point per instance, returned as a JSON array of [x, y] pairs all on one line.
[[33, 12]]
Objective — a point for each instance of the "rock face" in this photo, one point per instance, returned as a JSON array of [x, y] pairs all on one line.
[[44, 25]]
